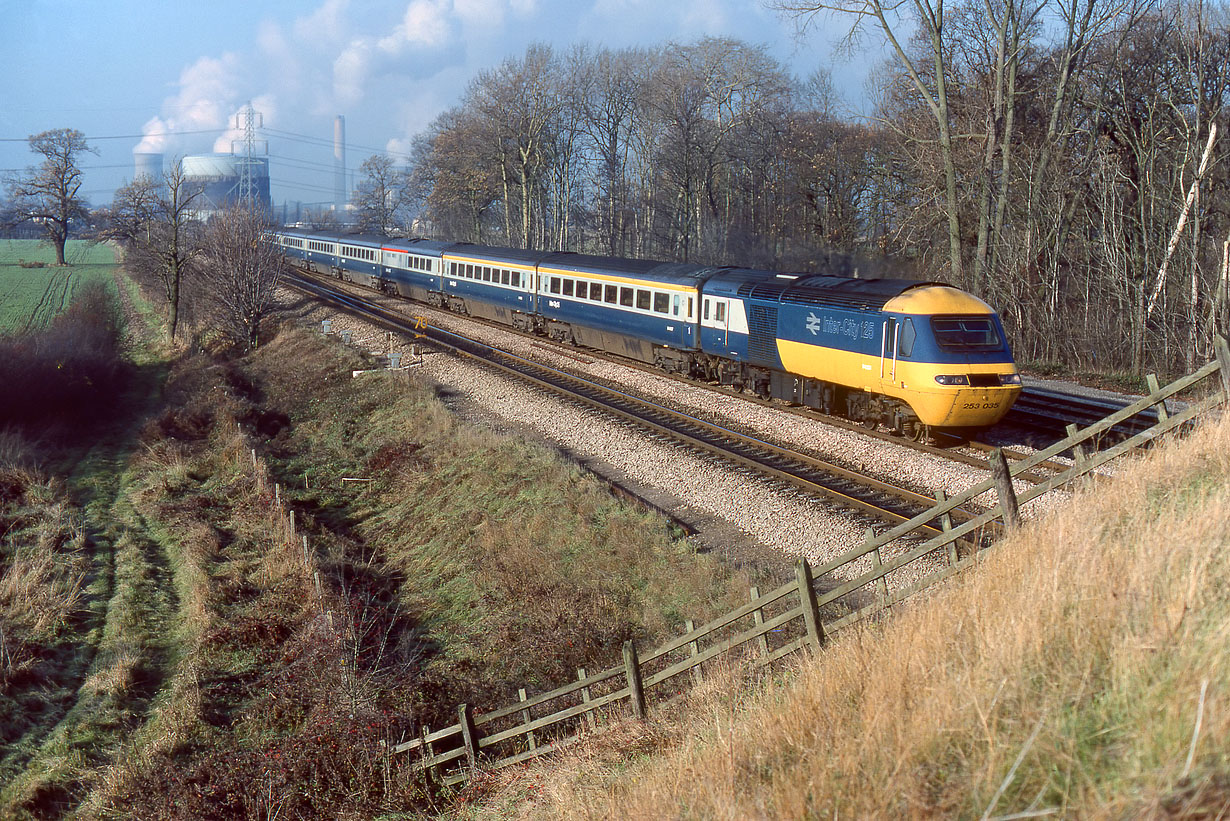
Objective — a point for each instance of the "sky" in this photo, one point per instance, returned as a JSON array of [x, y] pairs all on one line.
[[120, 69]]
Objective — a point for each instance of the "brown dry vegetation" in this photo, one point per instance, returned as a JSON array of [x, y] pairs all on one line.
[[1082, 670], [43, 568], [69, 372]]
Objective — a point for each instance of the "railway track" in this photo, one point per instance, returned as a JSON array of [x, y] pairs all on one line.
[[1048, 413], [942, 449], [864, 495]]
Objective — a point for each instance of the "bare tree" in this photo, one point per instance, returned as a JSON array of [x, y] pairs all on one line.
[[49, 194], [242, 270], [520, 101], [928, 74], [155, 222], [381, 196]]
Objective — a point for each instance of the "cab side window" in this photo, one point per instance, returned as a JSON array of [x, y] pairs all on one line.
[[906, 337]]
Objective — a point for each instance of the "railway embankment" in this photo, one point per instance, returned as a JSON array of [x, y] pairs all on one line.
[[235, 672], [1081, 670]]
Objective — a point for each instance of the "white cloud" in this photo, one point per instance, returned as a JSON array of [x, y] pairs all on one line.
[[425, 22], [350, 72], [328, 24], [206, 93]]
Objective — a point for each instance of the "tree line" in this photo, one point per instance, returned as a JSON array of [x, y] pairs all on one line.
[[1059, 158]]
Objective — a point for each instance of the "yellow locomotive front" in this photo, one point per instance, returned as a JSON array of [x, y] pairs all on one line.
[[944, 353]]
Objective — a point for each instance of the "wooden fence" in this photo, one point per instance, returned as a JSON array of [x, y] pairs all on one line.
[[779, 623]]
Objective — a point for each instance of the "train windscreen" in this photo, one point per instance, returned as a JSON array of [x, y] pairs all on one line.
[[966, 333]]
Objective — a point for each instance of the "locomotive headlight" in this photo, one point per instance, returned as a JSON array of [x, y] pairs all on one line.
[[954, 379], [1009, 379]]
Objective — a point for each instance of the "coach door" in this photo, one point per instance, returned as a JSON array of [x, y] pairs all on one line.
[[715, 314]]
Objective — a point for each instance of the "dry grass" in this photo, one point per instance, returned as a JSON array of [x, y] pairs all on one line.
[[42, 571], [1082, 670]]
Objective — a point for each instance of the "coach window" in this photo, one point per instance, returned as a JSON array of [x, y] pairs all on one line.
[[595, 291], [626, 296], [719, 312], [676, 304], [612, 294], [661, 303], [705, 310], [504, 277], [553, 285], [568, 287], [642, 299], [582, 289], [516, 279]]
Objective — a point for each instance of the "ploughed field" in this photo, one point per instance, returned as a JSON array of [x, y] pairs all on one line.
[[33, 289]]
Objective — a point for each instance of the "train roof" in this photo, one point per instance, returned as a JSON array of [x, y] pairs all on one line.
[[495, 253], [653, 270], [419, 245], [813, 289], [355, 238]]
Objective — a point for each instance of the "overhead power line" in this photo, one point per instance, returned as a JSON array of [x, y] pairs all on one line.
[[326, 143], [123, 136]]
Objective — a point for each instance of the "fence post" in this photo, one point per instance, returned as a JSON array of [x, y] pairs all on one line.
[[758, 617], [632, 669], [430, 768], [694, 646], [876, 562], [1154, 387], [306, 562], [589, 716], [525, 716], [1003, 488], [1223, 359], [466, 719], [807, 597], [941, 496], [1078, 450]]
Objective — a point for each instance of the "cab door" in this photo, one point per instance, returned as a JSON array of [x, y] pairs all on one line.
[[896, 347]]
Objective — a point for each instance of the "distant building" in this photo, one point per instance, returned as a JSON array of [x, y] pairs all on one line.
[[220, 178]]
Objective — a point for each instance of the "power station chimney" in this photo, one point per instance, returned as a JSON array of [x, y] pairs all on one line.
[[339, 164]]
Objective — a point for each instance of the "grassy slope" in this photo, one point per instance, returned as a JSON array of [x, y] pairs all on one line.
[[30, 297], [217, 687], [1093, 646], [516, 567]]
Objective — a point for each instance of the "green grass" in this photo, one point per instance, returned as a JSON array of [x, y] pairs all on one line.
[[30, 296]]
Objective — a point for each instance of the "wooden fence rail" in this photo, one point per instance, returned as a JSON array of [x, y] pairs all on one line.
[[785, 620]]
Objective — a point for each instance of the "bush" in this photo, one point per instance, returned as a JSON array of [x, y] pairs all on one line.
[[69, 372]]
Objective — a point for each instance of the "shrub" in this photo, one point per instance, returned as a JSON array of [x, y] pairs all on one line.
[[69, 372]]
